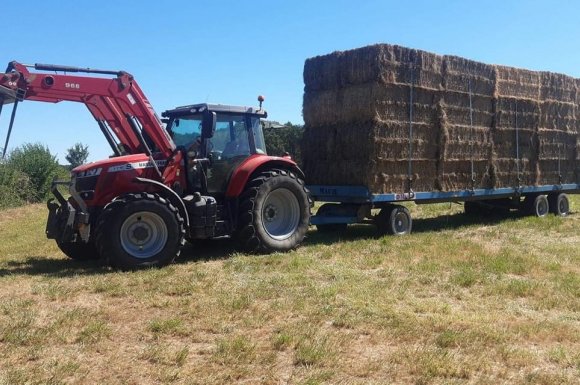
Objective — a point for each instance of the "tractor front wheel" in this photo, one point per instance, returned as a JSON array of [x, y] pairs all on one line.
[[274, 212], [140, 230]]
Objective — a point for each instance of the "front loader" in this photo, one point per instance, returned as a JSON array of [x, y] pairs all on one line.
[[201, 172]]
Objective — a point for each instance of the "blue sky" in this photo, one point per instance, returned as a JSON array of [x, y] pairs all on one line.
[[184, 52]]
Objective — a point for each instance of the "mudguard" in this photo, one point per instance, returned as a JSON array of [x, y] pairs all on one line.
[[254, 164]]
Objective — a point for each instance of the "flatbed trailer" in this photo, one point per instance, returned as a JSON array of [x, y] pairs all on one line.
[[343, 205]]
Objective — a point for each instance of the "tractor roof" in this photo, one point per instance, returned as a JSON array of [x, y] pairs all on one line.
[[223, 108]]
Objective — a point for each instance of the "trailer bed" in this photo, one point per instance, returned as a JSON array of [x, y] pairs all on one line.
[[354, 197]]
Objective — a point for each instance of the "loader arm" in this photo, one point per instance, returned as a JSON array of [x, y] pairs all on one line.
[[118, 104]]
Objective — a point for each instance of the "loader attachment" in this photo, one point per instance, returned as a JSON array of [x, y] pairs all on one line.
[[8, 96]]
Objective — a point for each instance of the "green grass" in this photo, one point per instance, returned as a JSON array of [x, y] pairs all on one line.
[[459, 301]]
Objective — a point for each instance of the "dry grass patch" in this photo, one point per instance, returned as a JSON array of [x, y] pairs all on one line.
[[456, 302]]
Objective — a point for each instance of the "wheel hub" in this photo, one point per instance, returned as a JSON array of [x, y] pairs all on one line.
[[281, 214], [143, 234], [271, 212], [140, 233]]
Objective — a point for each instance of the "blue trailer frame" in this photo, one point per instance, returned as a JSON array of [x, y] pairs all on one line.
[[361, 195]]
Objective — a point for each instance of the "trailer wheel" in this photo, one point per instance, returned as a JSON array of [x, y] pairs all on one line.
[[140, 230], [324, 210], [79, 251], [537, 205], [559, 204], [274, 213], [394, 220]]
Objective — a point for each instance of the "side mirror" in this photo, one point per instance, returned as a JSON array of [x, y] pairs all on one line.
[[208, 124]]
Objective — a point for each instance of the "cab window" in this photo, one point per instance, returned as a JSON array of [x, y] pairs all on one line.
[[231, 137], [186, 131]]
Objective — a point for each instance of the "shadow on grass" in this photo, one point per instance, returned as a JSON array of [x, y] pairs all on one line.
[[420, 225], [224, 248], [199, 251], [458, 220], [39, 265], [204, 250]]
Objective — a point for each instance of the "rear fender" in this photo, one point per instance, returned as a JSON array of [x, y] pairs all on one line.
[[255, 164]]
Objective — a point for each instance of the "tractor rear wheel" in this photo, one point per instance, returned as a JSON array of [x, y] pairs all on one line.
[[140, 230], [79, 251], [274, 212]]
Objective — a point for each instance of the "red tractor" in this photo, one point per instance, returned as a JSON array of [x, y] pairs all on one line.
[[200, 173]]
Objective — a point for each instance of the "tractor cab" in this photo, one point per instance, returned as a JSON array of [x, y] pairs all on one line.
[[215, 140]]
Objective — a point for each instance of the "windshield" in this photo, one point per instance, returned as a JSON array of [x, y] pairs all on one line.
[[230, 139], [231, 136]]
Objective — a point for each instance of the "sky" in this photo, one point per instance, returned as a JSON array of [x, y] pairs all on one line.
[[229, 52]]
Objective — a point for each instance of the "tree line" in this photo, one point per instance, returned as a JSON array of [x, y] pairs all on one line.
[[282, 139]]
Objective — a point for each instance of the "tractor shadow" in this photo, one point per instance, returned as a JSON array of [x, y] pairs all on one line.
[[224, 248], [49, 266], [205, 250], [420, 225], [53, 267]]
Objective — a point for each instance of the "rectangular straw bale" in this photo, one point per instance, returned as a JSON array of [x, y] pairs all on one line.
[[558, 87], [556, 172], [505, 145], [518, 83], [367, 102], [514, 112], [399, 112], [477, 134], [479, 103], [462, 83], [507, 172], [321, 72], [365, 65], [333, 172], [464, 150], [457, 64], [339, 106], [337, 142], [558, 115], [398, 149], [391, 175], [465, 75], [387, 129], [457, 175], [376, 63], [563, 138], [462, 116], [424, 71]]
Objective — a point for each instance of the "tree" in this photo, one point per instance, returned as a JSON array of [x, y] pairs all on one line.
[[15, 189], [77, 155], [281, 139], [35, 161]]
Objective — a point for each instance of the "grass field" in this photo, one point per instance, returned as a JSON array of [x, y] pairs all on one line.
[[457, 302]]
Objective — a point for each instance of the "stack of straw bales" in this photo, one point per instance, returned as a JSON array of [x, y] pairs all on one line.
[[466, 120]]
